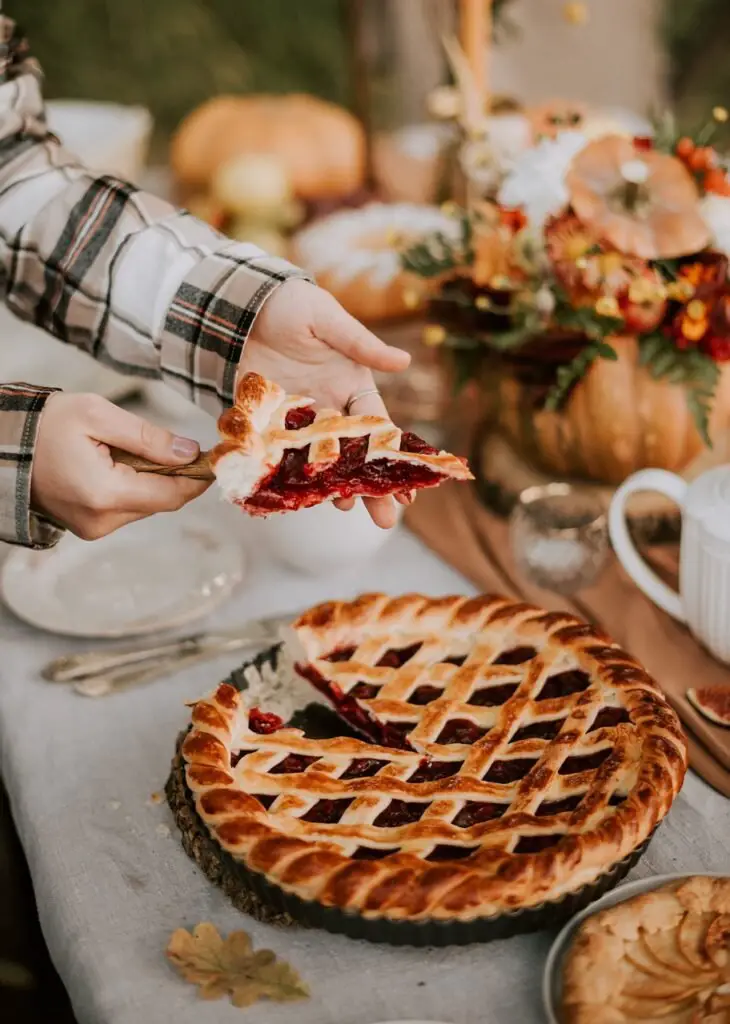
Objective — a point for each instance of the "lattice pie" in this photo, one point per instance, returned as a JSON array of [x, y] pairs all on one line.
[[508, 756], [279, 454], [663, 956]]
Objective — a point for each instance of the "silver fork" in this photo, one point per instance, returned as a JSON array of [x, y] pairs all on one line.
[[105, 684], [99, 671]]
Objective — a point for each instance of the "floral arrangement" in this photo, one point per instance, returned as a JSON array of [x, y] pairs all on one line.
[[587, 241]]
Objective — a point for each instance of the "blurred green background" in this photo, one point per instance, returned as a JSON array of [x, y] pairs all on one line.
[[172, 54]]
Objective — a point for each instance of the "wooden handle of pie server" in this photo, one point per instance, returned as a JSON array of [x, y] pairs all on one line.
[[198, 470]]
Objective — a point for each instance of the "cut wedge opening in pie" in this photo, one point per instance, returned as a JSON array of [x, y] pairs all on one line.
[[490, 756], [279, 454]]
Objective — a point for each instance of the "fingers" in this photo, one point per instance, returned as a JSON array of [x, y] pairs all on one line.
[[382, 512], [147, 493], [369, 405], [121, 429], [348, 336]]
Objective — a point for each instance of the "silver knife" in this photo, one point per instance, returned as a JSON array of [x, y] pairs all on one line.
[[70, 668]]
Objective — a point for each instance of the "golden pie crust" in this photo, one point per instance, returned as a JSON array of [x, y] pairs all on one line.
[[663, 956], [257, 435], [530, 754]]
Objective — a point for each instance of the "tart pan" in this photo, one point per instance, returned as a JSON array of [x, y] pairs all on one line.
[[252, 893]]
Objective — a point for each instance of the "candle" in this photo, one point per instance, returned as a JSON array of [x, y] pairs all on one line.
[[475, 31]]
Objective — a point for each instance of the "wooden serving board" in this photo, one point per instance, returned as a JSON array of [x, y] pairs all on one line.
[[502, 473]]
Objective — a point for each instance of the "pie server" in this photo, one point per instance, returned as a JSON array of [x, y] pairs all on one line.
[[200, 469], [70, 668]]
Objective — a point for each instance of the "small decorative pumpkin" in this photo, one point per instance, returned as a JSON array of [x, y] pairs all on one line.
[[255, 191], [643, 202], [618, 419], [321, 145]]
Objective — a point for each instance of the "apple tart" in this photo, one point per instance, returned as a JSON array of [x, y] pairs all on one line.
[[664, 956]]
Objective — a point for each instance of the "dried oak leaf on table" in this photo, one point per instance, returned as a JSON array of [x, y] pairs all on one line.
[[230, 967]]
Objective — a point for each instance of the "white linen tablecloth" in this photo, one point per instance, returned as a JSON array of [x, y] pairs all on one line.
[[112, 881]]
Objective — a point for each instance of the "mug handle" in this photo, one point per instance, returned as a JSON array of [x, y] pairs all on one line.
[[671, 486]]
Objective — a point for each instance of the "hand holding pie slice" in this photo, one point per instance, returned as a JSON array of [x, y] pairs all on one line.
[[279, 454]]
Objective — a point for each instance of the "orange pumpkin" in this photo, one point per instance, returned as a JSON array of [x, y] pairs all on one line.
[[321, 145], [617, 420], [643, 202]]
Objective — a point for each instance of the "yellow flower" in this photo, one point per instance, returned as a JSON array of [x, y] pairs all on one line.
[[411, 298], [696, 310], [434, 335], [720, 114], [643, 290], [481, 302], [680, 291], [607, 306], [576, 13]]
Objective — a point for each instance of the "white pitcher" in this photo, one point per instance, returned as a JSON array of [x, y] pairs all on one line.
[[703, 602]]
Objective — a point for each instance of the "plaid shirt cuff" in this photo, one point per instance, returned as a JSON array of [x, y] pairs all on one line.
[[211, 316], [21, 406]]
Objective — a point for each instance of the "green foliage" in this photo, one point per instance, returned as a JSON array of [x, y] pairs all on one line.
[[696, 34], [438, 254], [694, 370], [170, 55], [585, 319]]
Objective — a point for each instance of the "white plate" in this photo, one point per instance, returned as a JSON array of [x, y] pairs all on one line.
[[156, 574], [552, 979]]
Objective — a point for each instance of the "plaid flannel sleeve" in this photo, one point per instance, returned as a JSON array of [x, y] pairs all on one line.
[[138, 284]]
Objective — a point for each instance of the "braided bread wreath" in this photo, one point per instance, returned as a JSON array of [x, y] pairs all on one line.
[[511, 756]]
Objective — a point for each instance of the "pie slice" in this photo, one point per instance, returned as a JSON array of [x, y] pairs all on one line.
[[508, 756], [713, 702], [279, 454]]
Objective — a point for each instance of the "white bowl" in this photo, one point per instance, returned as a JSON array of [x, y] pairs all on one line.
[[321, 540], [107, 137]]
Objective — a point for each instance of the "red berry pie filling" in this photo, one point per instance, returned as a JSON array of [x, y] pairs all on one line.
[[279, 454]]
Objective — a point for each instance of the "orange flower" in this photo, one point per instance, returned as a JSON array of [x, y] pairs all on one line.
[[494, 254], [597, 275], [642, 202], [701, 318]]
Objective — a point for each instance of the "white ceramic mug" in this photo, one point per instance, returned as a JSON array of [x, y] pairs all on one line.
[[703, 601]]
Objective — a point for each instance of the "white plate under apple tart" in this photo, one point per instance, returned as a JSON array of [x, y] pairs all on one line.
[[491, 757]]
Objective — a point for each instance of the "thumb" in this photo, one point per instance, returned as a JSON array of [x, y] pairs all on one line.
[[345, 334], [130, 433]]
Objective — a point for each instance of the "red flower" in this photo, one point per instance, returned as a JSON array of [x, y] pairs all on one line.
[[513, 218], [717, 343], [704, 165], [701, 317], [593, 272]]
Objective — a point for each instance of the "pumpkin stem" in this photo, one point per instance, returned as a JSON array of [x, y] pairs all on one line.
[[633, 193]]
